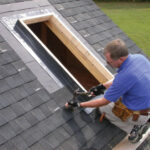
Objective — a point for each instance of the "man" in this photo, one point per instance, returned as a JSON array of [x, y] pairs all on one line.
[[126, 102]]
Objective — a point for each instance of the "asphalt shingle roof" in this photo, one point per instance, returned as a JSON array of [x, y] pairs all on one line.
[[33, 118]]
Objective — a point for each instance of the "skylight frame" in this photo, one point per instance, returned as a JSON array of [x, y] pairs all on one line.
[[47, 17]]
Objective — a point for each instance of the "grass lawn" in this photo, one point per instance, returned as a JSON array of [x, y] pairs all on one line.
[[133, 19]]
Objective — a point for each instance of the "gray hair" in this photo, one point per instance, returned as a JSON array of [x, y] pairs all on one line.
[[116, 48]]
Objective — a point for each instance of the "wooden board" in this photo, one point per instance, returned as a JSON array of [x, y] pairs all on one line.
[[73, 44], [82, 54]]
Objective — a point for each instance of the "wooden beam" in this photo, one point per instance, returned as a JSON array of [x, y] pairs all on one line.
[[78, 50], [33, 20]]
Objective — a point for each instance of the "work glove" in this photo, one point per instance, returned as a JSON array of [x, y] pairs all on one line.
[[97, 90], [73, 104]]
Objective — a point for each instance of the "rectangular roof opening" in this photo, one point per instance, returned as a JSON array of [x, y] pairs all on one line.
[[68, 50]]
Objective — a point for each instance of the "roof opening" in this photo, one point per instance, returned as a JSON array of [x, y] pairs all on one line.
[[86, 79], [68, 50]]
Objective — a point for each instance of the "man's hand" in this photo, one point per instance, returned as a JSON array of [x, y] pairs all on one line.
[[72, 104], [97, 90]]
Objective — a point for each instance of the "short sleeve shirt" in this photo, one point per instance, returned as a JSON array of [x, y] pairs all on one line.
[[132, 83]]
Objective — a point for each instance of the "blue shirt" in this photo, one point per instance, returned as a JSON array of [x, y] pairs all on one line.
[[132, 83]]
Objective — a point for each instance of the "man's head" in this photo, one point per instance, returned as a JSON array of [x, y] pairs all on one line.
[[116, 53]]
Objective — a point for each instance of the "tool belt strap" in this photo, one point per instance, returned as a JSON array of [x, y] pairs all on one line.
[[121, 111], [145, 112]]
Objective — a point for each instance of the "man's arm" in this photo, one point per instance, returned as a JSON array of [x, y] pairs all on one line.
[[95, 103], [92, 103]]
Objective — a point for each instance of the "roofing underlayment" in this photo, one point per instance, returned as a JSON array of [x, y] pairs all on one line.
[[34, 87]]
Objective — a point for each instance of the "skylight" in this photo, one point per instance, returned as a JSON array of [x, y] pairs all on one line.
[[67, 50]]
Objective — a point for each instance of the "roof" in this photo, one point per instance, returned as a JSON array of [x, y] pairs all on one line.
[[31, 100]]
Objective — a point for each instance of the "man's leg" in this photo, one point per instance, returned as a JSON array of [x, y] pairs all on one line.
[[107, 109], [134, 128]]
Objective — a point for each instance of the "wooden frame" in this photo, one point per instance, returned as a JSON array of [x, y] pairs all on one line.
[[91, 63]]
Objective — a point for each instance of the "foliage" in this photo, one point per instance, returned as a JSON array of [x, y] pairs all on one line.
[[133, 19], [122, 0]]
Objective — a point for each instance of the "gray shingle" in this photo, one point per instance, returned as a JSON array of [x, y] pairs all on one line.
[[57, 119], [57, 137], [100, 140], [10, 69], [26, 104], [134, 49], [76, 4], [16, 128], [57, 96], [2, 140], [71, 144], [35, 100], [7, 132], [45, 145], [5, 58], [18, 109], [32, 87], [27, 75], [38, 114], [121, 36], [4, 47], [3, 72], [43, 94], [71, 127], [2, 120], [6, 99], [115, 31], [87, 132], [3, 86], [59, 6], [82, 17], [31, 118], [8, 113], [19, 65], [59, 1], [23, 123], [73, 11], [36, 133], [28, 138], [49, 108], [96, 13], [19, 93], [95, 38], [98, 47], [46, 126], [105, 18], [84, 33], [36, 146], [6, 1], [14, 81], [82, 25], [1, 39], [95, 29], [129, 43], [19, 143], [71, 19], [115, 141], [13, 55], [9, 145]]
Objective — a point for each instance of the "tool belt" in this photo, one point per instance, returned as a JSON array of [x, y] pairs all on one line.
[[122, 112]]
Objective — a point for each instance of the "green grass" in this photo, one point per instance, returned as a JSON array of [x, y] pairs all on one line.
[[133, 19]]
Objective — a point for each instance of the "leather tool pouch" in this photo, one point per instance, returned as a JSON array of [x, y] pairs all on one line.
[[121, 111]]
